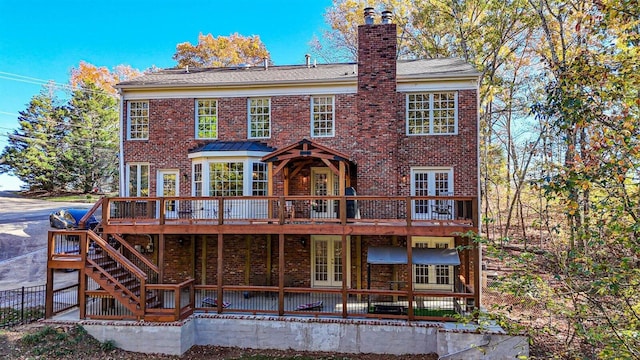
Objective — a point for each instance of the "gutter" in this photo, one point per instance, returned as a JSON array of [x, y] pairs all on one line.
[[351, 80], [121, 179]]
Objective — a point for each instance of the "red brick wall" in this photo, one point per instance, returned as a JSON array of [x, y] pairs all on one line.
[[370, 128]]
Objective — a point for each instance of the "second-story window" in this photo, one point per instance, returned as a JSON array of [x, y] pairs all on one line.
[[259, 118], [322, 116], [206, 119], [138, 120], [432, 113]]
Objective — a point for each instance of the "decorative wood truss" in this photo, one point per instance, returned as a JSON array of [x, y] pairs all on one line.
[[295, 157]]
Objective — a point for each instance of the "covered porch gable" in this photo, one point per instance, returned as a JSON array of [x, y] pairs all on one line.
[[292, 159]]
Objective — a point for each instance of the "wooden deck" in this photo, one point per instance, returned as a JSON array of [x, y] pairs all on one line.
[[357, 215]]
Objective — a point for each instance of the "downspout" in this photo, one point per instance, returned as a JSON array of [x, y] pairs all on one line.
[[122, 181], [478, 197]]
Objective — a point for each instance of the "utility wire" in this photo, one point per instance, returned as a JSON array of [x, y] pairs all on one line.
[[32, 80]]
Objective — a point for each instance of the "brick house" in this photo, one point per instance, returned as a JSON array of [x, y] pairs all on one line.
[[334, 183]]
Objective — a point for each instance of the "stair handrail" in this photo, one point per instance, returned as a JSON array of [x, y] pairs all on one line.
[[85, 218], [115, 281], [121, 258], [136, 253]]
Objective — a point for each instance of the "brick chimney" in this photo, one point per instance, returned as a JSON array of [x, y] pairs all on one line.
[[377, 104]]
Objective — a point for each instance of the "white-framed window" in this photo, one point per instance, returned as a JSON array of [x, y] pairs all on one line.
[[259, 110], [426, 181], [226, 179], [138, 179], [259, 181], [237, 176], [206, 119], [138, 115], [433, 276], [322, 116], [197, 179], [432, 113]]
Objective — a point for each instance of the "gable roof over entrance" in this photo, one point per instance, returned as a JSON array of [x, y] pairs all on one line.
[[305, 149]]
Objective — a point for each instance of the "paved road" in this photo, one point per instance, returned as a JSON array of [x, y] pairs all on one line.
[[23, 239]]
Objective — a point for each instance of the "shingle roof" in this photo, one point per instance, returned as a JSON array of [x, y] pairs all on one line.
[[257, 75], [233, 146]]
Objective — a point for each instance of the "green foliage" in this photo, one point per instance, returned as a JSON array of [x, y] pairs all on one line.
[[63, 147], [34, 150], [50, 342], [108, 345], [93, 135], [10, 316]]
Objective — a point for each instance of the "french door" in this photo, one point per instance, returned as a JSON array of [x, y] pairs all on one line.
[[327, 269], [168, 185], [324, 183], [433, 277], [431, 182]]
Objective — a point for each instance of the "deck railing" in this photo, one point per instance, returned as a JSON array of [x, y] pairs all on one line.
[[351, 303], [440, 210]]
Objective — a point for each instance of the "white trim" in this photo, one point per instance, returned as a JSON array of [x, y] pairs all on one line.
[[430, 169], [227, 154], [160, 192], [197, 119], [249, 117], [138, 178], [247, 170], [333, 116], [123, 182], [129, 120], [431, 110], [435, 86], [428, 213], [218, 93]]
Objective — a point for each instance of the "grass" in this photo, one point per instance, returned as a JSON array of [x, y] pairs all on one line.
[[80, 198], [48, 342]]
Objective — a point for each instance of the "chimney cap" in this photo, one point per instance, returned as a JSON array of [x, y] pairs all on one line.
[[369, 12], [386, 16]]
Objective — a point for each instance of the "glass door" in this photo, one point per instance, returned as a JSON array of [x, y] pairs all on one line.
[[326, 261], [168, 185], [324, 183], [432, 182]]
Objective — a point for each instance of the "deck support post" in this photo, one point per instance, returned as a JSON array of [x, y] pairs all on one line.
[[268, 260], [476, 273], [359, 264], [280, 274], [410, 277], [203, 261], [161, 264], [220, 271], [343, 255], [48, 304]]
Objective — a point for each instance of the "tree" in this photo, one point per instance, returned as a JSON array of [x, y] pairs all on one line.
[[92, 138], [221, 51], [34, 151], [101, 77]]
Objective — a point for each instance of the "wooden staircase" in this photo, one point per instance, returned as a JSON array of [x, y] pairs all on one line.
[[119, 277]]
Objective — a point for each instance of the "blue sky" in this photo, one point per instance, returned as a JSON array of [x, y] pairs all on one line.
[[43, 40]]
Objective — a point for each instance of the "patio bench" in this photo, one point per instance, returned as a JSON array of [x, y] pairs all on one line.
[[388, 309]]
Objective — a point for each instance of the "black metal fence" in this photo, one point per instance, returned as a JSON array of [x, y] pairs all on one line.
[[22, 305]]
